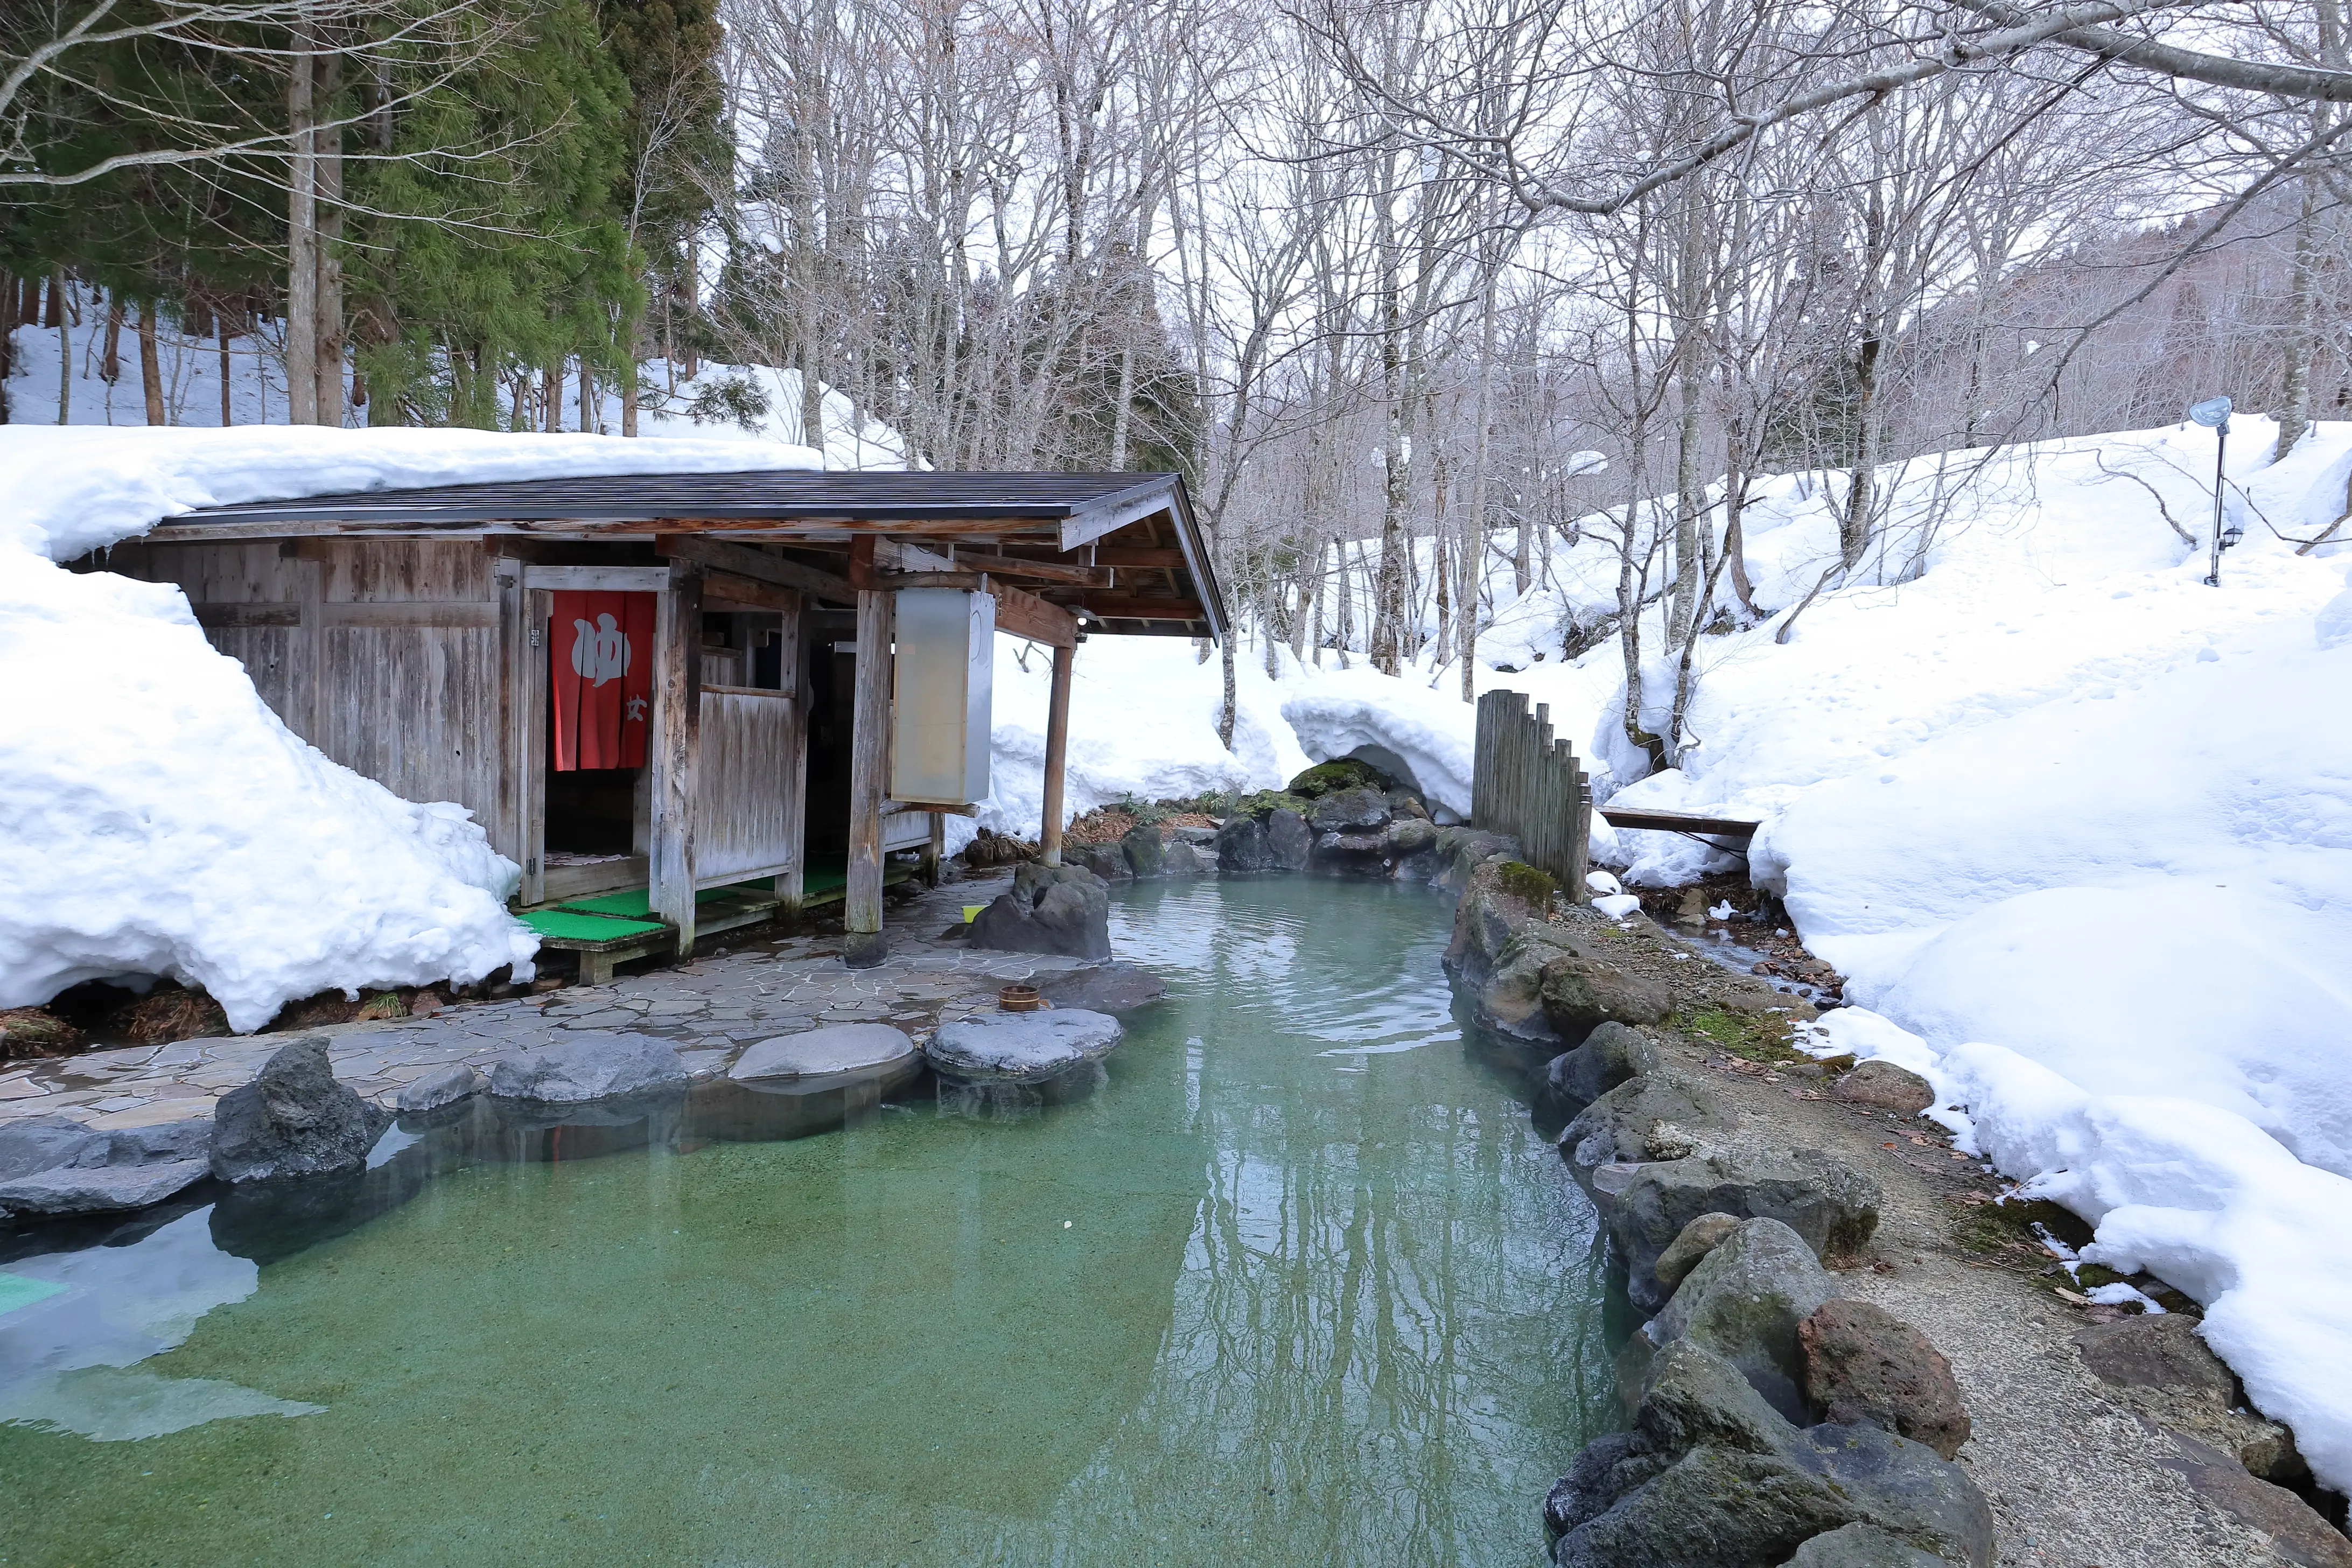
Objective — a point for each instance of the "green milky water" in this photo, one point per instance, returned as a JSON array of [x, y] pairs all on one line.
[[1250, 1302]]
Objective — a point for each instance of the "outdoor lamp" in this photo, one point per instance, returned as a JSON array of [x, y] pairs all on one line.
[[2214, 414]]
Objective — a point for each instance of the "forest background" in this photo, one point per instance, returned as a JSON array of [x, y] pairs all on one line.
[[1408, 292]]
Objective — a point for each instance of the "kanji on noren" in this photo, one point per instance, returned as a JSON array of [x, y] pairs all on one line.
[[601, 663]]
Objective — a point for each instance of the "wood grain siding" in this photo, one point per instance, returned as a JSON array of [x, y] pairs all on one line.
[[742, 825], [416, 709]]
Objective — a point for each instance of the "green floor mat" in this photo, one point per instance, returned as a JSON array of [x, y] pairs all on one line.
[[633, 903], [571, 926]]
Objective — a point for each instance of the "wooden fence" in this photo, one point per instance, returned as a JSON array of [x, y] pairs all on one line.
[[1526, 783]]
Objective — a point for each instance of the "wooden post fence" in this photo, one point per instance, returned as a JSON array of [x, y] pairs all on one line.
[[1526, 783]]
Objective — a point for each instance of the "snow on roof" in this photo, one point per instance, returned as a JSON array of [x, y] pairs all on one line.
[[67, 490]]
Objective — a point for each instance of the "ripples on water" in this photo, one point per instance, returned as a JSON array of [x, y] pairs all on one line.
[[1297, 1285]]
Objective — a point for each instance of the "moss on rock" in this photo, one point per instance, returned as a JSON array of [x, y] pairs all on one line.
[[1342, 773]]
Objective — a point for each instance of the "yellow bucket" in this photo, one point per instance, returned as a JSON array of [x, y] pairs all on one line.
[[971, 913]]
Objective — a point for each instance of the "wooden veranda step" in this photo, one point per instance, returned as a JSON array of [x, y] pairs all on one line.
[[1677, 822]]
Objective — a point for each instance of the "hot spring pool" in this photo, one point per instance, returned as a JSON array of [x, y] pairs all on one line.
[[1298, 1286]]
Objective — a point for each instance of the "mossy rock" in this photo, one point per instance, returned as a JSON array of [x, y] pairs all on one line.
[[1343, 773], [1522, 880], [1754, 1036], [1266, 802]]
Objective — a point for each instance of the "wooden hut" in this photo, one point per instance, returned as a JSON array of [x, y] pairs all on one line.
[[669, 697]]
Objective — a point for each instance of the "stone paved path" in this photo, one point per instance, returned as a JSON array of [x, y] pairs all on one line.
[[710, 1009]]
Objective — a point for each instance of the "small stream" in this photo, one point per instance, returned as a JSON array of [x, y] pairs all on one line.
[[1297, 1284]]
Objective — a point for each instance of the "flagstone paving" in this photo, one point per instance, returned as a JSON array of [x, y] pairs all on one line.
[[709, 1009]]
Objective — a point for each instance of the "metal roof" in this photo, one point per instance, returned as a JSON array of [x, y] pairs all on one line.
[[1057, 510], [777, 494]]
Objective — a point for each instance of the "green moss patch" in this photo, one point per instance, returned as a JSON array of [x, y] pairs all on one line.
[[1525, 882], [1996, 1227], [1346, 772], [1266, 802], [1755, 1037]]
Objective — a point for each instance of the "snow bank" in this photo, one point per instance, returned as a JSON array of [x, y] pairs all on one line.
[[2193, 1194], [1398, 726], [156, 819], [1143, 722]]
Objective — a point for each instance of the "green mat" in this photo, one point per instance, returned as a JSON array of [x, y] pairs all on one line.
[[17, 1290], [565, 923], [633, 903]]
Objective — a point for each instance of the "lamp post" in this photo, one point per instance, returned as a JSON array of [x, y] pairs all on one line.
[[2214, 414]]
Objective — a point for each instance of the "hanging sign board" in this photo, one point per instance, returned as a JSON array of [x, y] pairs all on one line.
[[601, 669], [943, 672]]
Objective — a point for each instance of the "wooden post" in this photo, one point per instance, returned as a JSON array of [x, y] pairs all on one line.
[[1057, 745], [792, 662], [937, 850], [670, 752], [869, 779]]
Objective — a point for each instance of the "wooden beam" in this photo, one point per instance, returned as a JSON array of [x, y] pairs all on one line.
[[742, 560], [253, 615], [671, 753], [1114, 512], [598, 579], [1024, 614], [1677, 822], [1154, 556], [1126, 607], [862, 944], [1041, 571], [725, 588], [1057, 746], [471, 613], [793, 678]]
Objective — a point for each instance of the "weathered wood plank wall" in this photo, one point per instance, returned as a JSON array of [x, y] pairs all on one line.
[[743, 827], [1526, 783]]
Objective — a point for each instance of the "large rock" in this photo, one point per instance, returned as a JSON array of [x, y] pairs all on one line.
[[1360, 809], [31, 1145], [597, 1066], [1289, 843], [1242, 845], [1022, 1048], [1862, 1363], [1658, 1114], [1111, 988], [1108, 861], [1712, 1477], [2298, 1532], [1460, 852], [458, 1081], [821, 1053], [1411, 852], [1502, 897], [1646, 1201], [1695, 1241], [1062, 910], [101, 1189], [1863, 1546], [1146, 852], [1885, 1087], [1507, 995], [1581, 993], [1746, 1300], [294, 1120], [1610, 1054], [2158, 1351]]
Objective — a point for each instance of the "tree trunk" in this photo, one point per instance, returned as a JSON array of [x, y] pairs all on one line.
[[302, 236], [1472, 554], [1854, 524], [65, 345], [551, 399], [220, 325], [110, 359], [327, 366], [587, 399], [150, 372], [2302, 339]]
